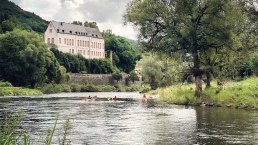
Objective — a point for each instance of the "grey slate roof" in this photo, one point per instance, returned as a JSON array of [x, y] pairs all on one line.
[[73, 29]]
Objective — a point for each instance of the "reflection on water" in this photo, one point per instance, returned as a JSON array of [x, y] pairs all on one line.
[[126, 123]]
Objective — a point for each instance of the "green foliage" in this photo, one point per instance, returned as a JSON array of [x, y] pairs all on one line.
[[241, 94], [52, 132], [11, 134], [55, 88], [206, 32], [5, 84], [58, 88], [25, 60], [13, 16], [8, 125], [77, 63], [151, 72], [67, 130], [13, 91], [133, 76], [124, 53], [255, 66]]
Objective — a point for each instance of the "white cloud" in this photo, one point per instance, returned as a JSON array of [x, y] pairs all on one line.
[[107, 13]]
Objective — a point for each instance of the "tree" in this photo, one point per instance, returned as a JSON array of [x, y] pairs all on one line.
[[77, 23], [151, 72], [77, 63], [25, 60], [124, 56], [188, 27], [133, 76], [91, 24]]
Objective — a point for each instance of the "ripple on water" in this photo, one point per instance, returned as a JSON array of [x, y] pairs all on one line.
[[125, 123]]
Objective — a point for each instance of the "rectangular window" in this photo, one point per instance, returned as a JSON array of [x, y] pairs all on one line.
[[88, 52], [48, 40], [72, 42], [72, 51], [50, 30], [53, 41], [84, 52], [78, 43], [59, 40], [64, 41]]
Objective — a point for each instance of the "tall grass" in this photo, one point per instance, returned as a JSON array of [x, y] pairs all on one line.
[[243, 94], [10, 134]]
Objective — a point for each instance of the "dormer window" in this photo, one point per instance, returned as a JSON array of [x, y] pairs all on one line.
[[97, 36], [57, 30], [76, 33], [92, 35], [79, 33], [63, 31], [86, 33], [71, 32]]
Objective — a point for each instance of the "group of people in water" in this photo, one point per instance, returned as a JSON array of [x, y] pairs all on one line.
[[95, 97], [89, 98]]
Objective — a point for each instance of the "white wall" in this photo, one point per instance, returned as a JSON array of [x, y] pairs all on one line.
[[96, 49]]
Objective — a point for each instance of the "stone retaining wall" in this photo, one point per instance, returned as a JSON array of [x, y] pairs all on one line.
[[98, 79]]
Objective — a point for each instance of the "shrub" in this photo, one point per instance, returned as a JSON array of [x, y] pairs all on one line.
[[5, 84]]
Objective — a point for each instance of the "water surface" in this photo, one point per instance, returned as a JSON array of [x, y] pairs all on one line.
[[132, 122]]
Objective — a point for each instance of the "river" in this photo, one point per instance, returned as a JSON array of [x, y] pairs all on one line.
[[131, 122]]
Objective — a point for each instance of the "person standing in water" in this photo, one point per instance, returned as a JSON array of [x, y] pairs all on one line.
[[114, 98], [144, 99]]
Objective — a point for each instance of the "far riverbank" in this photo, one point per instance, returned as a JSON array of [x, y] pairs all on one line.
[[243, 94]]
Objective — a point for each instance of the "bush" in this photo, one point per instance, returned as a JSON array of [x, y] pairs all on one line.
[[75, 88], [12, 91], [5, 84], [55, 88]]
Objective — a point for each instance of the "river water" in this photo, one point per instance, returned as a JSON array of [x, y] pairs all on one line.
[[131, 122]]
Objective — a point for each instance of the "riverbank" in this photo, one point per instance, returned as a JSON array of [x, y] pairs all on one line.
[[18, 91], [6, 89], [243, 94], [67, 88]]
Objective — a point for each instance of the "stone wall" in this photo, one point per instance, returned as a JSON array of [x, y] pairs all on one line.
[[98, 79]]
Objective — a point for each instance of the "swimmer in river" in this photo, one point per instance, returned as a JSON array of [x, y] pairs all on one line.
[[114, 98], [144, 99]]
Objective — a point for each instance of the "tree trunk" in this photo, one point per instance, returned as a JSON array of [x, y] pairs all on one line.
[[198, 84], [208, 80]]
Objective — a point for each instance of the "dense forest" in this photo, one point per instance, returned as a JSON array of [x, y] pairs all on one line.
[[12, 16]]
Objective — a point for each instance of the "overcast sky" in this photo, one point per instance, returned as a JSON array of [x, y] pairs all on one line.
[[107, 13]]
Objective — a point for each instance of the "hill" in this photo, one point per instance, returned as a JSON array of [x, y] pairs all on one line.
[[12, 16]]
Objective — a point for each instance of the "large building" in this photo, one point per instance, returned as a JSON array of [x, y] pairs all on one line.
[[76, 39]]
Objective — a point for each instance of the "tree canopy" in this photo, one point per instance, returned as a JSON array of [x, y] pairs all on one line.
[[26, 61], [124, 54], [12, 16], [206, 31]]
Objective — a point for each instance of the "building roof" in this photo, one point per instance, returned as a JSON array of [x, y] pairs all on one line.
[[73, 29]]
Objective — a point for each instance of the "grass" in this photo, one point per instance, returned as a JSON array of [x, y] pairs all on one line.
[[11, 133], [243, 94], [16, 91]]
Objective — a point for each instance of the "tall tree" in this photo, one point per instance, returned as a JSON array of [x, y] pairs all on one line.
[[25, 60], [188, 27]]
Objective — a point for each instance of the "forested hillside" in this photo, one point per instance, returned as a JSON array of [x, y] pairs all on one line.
[[12, 16]]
